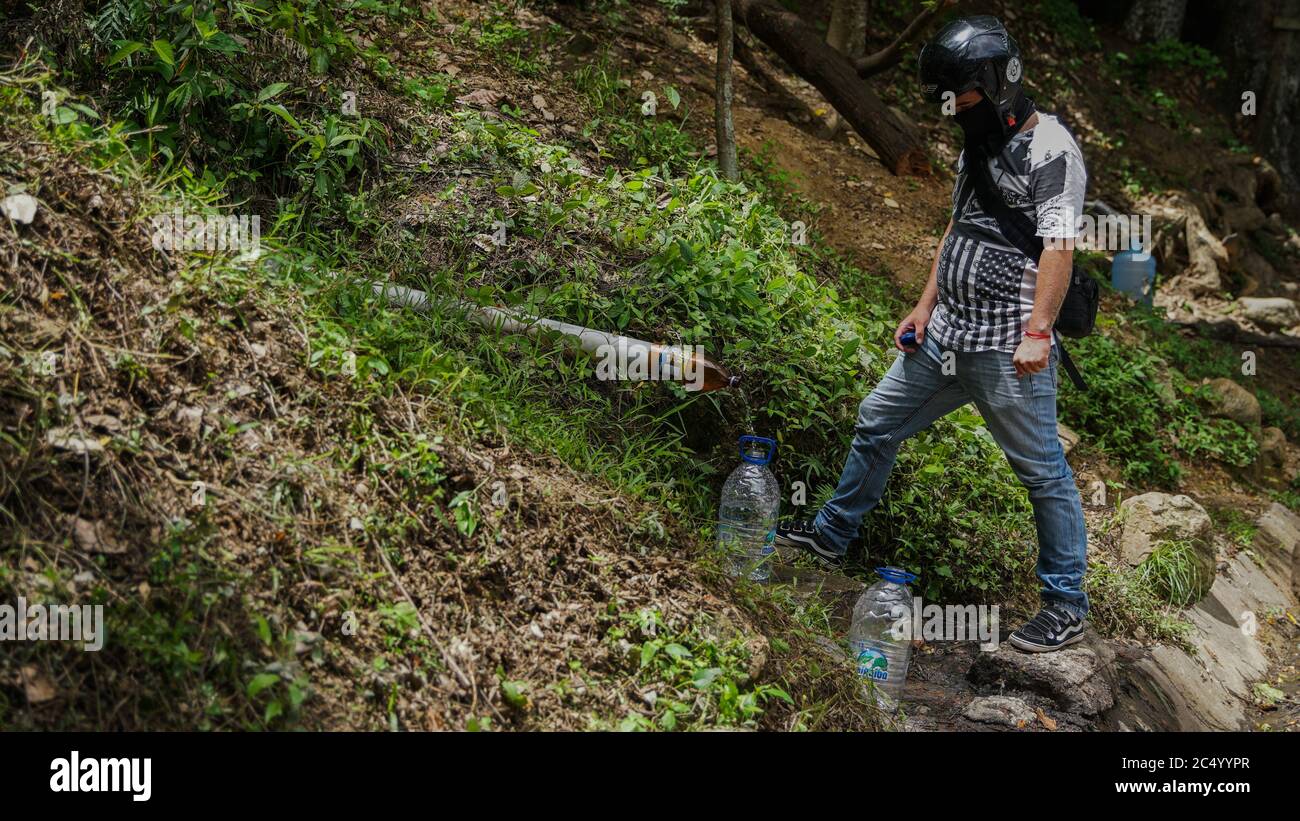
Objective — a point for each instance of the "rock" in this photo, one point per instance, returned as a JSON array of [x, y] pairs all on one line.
[[19, 208], [759, 648], [36, 685], [190, 418], [1270, 313], [1005, 710], [1067, 437], [1277, 544], [1272, 451], [1208, 689], [67, 439], [1154, 517], [1231, 401], [1077, 679], [95, 537]]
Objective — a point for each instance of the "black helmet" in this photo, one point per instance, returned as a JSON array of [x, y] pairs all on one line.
[[975, 52]]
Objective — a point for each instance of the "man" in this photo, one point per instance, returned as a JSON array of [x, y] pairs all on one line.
[[983, 325]]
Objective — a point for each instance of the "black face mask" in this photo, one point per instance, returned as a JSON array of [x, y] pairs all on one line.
[[981, 125]]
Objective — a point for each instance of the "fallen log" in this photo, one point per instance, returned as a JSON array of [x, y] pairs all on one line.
[[894, 140]]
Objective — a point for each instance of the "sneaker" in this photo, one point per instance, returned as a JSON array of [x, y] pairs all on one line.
[[1053, 628], [800, 533]]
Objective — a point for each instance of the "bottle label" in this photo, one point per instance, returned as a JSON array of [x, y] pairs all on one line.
[[872, 663], [769, 543]]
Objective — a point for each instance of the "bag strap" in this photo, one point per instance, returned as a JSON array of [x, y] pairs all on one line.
[[1019, 230], [1070, 369]]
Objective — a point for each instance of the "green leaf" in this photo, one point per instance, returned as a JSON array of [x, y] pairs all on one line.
[[260, 682], [320, 60], [781, 694], [164, 51], [281, 112], [703, 678], [125, 51], [270, 91], [677, 651], [514, 693], [263, 629], [674, 99]]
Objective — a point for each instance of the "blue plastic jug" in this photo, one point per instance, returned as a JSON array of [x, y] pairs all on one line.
[[1134, 273]]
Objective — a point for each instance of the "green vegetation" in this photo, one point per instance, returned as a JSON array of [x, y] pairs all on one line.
[[695, 677], [1172, 573], [1163, 56], [1145, 415]]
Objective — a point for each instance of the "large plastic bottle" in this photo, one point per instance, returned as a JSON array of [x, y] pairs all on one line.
[[880, 635], [751, 500], [1133, 272]]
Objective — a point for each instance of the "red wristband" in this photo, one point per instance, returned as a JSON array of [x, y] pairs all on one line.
[[1033, 335]]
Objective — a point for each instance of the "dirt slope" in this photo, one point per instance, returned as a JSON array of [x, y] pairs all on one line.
[[310, 580]]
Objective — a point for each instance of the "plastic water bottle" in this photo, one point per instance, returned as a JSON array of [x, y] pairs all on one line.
[[880, 635], [1133, 273], [751, 500]]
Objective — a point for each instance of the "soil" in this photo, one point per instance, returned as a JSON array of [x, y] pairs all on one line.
[[165, 379]]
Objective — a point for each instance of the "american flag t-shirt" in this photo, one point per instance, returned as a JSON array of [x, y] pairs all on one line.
[[986, 285]]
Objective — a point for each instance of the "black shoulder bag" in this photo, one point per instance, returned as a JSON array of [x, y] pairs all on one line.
[[1078, 312]]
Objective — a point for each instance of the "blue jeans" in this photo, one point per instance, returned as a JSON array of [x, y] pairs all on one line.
[[1021, 415]]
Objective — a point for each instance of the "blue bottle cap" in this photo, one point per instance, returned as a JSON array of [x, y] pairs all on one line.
[[762, 440], [897, 575]]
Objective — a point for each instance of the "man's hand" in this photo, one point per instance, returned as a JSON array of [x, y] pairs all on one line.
[[1031, 356], [915, 321]]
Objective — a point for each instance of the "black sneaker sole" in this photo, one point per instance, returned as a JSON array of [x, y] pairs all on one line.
[[1030, 647], [809, 548]]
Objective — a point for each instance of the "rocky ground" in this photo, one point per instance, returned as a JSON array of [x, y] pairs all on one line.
[[1237, 670]]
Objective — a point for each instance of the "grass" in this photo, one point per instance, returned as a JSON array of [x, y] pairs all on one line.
[[1145, 415], [1173, 573]]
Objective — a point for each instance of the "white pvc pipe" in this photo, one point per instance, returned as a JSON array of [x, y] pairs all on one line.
[[589, 339]]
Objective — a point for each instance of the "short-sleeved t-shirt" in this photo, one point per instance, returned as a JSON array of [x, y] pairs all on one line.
[[986, 285]]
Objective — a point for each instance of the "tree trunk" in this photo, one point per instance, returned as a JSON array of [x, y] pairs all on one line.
[[724, 125], [1261, 54], [1151, 20], [895, 141], [847, 34]]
